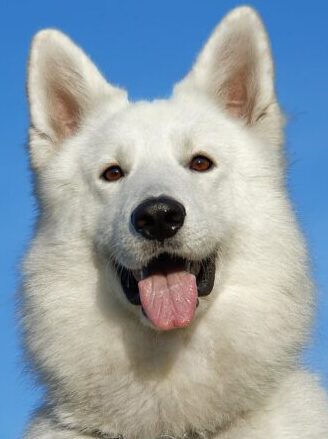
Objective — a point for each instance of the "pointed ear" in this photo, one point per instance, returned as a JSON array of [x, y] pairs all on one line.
[[63, 87], [235, 67]]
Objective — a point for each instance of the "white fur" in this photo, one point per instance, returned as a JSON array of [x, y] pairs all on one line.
[[234, 372]]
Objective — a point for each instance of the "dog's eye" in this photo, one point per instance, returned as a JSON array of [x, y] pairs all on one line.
[[113, 173], [200, 163]]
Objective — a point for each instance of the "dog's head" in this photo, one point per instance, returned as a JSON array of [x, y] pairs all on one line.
[[159, 190], [155, 208]]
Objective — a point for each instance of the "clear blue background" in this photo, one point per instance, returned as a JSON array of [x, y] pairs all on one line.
[[146, 46]]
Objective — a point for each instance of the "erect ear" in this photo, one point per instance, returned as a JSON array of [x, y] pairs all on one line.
[[235, 67], [63, 87]]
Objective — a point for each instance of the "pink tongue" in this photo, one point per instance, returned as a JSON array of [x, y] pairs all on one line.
[[169, 300]]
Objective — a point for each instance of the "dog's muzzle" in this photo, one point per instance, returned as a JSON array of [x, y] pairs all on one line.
[[168, 287]]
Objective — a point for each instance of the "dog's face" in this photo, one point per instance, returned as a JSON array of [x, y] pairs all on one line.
[[156, 189], [155, 168]]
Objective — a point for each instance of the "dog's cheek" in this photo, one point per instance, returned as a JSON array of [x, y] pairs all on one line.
[[209, 219], [112, 235]]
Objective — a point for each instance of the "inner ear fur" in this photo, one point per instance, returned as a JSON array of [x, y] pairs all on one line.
[[235, 68], [63, 87]]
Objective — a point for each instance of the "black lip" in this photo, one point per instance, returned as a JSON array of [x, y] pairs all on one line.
[[166, 263]]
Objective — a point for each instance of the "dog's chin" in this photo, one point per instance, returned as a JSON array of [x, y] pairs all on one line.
[[167, 289]]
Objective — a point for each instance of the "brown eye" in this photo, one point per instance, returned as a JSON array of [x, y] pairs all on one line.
[[112, 173], [200, 163]]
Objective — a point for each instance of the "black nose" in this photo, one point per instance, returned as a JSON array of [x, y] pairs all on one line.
[[158, 218]]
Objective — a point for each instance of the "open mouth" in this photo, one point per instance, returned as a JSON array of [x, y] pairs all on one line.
[[168, 287]]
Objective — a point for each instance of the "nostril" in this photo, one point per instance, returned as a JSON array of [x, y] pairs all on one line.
[[174, 217], [144, 221]]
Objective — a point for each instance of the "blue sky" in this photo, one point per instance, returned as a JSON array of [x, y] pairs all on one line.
[[146, 46]]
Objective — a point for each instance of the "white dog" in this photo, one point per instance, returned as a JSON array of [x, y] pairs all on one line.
[[166, 290]]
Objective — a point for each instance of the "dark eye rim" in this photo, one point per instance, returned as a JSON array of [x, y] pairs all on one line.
[[202, 156], [112, 166]]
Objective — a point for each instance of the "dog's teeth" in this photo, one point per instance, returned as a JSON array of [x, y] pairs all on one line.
[[137, 275], [195, 268]]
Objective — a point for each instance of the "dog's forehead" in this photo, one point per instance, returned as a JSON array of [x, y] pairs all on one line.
[[168, 121], [150, 116]]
